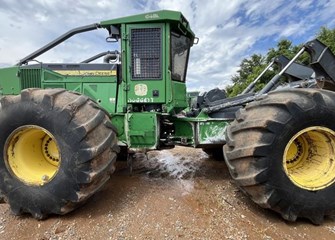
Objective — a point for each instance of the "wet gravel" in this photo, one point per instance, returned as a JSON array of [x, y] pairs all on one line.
[[175, 194]]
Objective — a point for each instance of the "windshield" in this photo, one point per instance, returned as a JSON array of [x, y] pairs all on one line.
[[180, 46]]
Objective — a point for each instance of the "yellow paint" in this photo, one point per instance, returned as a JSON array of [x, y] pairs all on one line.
[[309, 156], [32, 155], [87, 72]]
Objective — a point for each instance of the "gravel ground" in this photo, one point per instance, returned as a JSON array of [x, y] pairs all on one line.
[[175, 194]]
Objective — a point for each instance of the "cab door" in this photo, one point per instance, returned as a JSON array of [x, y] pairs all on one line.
[[146, 65]]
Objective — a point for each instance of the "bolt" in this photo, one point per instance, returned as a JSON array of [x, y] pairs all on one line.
[[45, 178]]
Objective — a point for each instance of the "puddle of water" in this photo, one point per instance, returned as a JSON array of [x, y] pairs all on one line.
[[165, 164]]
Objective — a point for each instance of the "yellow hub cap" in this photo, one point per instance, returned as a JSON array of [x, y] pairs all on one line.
[[309, 158], [32, 155]]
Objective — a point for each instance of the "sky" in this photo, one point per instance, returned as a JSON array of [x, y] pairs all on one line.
[[229, 30]]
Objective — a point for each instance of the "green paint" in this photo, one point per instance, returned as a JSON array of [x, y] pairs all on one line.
[[199, 132], [211, 132], [9, 81], [142, 130], [145, 95]]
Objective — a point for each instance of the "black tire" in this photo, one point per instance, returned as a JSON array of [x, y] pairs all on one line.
[[215, 153], [87, 147], [259, 142]]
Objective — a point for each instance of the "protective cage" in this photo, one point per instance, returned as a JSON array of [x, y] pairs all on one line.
[[146, 58]]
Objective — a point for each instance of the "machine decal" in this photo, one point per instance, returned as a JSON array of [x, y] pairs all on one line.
[[87, 72], [151, 16], [141, 89], [141, 100]]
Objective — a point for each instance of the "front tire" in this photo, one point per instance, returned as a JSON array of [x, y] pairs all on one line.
[[281, 152], [58, 147]]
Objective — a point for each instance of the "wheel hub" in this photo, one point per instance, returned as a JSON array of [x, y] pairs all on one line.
[[50, 150], [295, 152], [32, 155], [309, 158]]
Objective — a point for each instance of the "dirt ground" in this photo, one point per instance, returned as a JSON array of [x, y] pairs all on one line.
[[175, 194]]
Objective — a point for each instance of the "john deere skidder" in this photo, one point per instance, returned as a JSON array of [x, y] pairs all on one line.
[[63, 124]]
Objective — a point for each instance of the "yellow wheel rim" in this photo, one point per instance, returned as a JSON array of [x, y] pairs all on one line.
[[32, 155], [309, 158]]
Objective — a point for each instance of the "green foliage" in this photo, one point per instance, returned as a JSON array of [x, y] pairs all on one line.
[[249, 70], [327, 36], [251, 67], [247, 67], [238, 87], [284, 47]]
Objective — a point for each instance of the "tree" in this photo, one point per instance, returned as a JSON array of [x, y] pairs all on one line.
[[286, 48], [327, 36], [251, 67], [248, 71], [247, 67]]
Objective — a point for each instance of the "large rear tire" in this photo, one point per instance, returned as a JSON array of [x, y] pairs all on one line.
[[281, 149], [57, 149]]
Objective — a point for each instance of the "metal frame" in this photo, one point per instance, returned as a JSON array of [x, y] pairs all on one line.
[[57, 41]]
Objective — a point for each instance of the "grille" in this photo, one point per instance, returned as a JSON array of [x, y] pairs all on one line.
[[146, 53], [30, 78]]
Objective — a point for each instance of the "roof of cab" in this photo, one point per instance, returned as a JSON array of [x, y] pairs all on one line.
[[157, 16]]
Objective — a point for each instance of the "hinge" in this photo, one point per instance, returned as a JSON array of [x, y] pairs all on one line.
[[126, 87], [125, 37]]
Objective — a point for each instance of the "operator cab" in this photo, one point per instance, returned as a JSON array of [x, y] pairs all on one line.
[[147, 75], [155, 51]]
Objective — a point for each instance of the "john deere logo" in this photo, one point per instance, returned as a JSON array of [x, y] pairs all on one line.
[[141, 89]]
